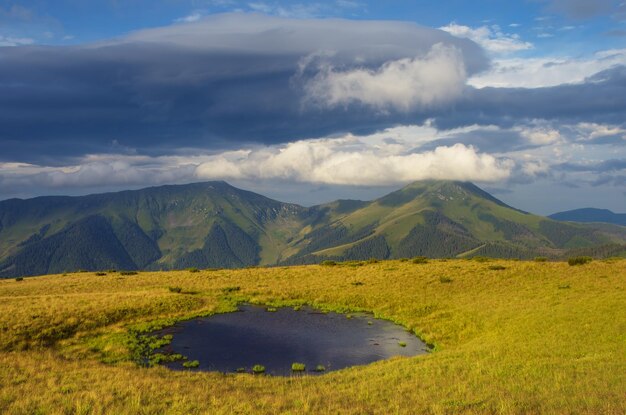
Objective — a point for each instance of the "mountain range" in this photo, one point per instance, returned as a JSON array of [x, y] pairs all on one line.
[[215, 225], [589, 215]]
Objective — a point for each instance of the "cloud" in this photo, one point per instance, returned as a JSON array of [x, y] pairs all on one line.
[[15, 41], [582, 9], [605, 166], [379, 159], [541, 136], [321, 162], [435, 79], [193, 17], [546, 71], [192, 84], [600, 98], [489, 37]]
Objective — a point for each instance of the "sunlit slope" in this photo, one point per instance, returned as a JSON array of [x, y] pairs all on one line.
[[510, 337], [445, 219]]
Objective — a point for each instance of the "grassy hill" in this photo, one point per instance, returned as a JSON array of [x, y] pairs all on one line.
[[510, 337], [214, 225], [444, 219]]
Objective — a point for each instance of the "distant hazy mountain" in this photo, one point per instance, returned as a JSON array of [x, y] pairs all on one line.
[[591, 215], [216, 225]]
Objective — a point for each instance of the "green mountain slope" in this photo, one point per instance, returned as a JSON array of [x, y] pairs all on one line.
[[203, 224], [216, 225], [445, 219]]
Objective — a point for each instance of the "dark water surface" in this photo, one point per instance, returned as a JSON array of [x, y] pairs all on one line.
[[226, 342]]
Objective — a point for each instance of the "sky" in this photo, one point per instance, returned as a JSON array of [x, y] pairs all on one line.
[[309, 102]]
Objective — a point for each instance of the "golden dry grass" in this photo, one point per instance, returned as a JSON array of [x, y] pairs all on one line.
[[532, 338]]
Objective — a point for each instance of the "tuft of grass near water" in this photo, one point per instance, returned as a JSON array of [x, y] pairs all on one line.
[[504, 342]]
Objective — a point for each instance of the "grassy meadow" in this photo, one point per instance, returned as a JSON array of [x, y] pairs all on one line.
[[509, 337]]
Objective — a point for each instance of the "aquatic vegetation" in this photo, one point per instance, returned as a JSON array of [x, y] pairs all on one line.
[[191, 364], [298, 367], [320, 368], [402, 344], [258, 369]]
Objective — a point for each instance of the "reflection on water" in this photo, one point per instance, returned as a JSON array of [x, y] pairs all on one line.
[[226, 342]]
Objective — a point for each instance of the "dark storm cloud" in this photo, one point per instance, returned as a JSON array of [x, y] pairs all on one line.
[[601, 98], [215, 83]]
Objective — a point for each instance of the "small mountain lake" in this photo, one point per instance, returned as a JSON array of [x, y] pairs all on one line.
[[275, 339]]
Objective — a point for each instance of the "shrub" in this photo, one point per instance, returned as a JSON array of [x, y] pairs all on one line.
[[128, 272], [496, 267], [328, 263], [298, 367], [111, 271], [372, 261], [19, 279], [541, 259], [193, 270], [230, 289], [579, 260], [101, 274], [445, 280], [175, 289], [403, 259], [258, 369], [420, 260], [191, 364], [356, 283]]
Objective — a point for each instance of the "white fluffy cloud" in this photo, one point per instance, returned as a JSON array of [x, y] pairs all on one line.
[[546, 71], [434, 79], [384, 158], [541, 136], [489, 37], [343, 161]]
